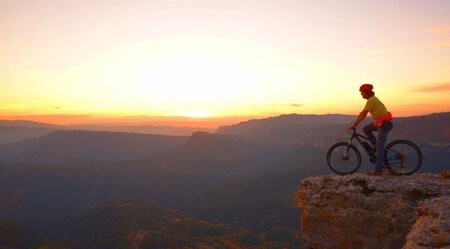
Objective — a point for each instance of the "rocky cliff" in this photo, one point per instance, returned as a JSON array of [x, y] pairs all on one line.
[[380, 212]]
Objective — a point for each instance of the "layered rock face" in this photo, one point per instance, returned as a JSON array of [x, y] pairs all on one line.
[[380, 212]]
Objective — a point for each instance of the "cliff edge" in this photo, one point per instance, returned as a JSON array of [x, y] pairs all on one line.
[[364, 212]]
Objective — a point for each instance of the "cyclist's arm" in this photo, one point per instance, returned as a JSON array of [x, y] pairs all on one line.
[[362, 115]]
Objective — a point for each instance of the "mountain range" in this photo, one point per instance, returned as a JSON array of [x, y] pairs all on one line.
[[14, 131], [72, 187], [296, 127], [62, 145], [17, 130]]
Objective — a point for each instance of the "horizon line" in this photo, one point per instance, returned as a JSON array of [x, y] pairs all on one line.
[[172, 121]]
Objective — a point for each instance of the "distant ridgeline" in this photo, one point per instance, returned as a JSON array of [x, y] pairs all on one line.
[[316, 128]]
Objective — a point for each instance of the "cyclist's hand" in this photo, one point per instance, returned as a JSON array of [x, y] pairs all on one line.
[[351, 127]]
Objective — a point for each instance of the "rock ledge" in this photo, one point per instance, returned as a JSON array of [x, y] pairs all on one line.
[[363, 212]]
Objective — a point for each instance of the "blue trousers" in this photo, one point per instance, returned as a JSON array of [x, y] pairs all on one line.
[[380, 142]]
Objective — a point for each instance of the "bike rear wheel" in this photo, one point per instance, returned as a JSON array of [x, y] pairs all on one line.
[[403, 157], [343, 158]]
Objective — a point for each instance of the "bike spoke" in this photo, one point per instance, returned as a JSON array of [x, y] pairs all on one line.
[[343, 158], [403, 157]]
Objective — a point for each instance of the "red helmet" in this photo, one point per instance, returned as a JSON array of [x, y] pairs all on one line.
[[366, 88]]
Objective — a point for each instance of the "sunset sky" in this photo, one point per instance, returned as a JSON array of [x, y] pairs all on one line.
[[216, 59]]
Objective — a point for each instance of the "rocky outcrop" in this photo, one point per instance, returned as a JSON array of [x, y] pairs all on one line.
[[432, 227], [380, 212]]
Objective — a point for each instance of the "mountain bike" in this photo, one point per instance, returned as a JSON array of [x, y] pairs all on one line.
[[402, 157]]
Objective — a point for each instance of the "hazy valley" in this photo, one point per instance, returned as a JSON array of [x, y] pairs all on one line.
[[233, 187]]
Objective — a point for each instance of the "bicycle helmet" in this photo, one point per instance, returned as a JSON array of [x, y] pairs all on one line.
[[366, 88]]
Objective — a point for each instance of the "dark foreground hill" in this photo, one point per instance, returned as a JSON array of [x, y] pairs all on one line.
[[130, 224], [125, 224], [88, 146], [14, 236]]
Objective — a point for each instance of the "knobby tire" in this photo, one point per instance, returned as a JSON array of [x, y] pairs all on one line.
[[403, 157], [339, 163]]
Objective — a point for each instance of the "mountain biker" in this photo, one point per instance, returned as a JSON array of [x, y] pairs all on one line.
[[382, 123]]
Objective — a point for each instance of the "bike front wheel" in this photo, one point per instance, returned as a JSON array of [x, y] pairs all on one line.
[[343, 158], [403, 157]]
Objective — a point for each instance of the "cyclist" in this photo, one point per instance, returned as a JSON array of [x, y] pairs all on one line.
[[382, 123]]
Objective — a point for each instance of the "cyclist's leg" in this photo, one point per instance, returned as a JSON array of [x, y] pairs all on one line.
[[382, 138], [368, 130]]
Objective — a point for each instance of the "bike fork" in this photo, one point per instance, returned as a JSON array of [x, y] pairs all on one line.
[[347, 150]]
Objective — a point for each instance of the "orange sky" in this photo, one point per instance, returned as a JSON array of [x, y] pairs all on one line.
[[101, 60]]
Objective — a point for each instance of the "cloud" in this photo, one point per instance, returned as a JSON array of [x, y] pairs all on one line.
[[295, 105], [422, 105], [441, 87]]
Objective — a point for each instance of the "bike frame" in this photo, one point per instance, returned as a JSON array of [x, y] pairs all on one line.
[[360, 138]]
